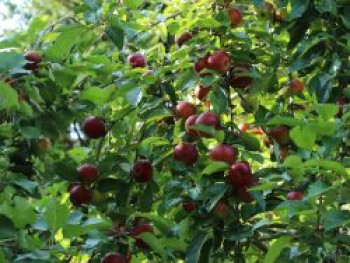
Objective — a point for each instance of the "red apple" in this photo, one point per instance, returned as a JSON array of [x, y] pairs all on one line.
[[137, 60], [244, 127], [94, 127], [33, 56], [183, 38], [341, 102], [280, 134], [185, 109], [113, 257], [266, 141], [186, 153], [201, 92], [239, 174], [191, 121], [138, 230], [221, 209], [188, 206], [201, 64], [235, 16], [31, 66], [87, 173], [244, 195], [219, 61], [79, 195], [296, 85], [142, 171], [223, 153], [239, 79], [295, 196], [209, 119]]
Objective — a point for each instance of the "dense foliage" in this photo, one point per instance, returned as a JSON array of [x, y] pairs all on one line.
[[169, 131]]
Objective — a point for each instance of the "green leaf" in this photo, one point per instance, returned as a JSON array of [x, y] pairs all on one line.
[[134, 96], [116, 34], [276, 249], [303, 137], [327, 111], [327, 165], [56, 214], [154, 243], [30, 132], [8, 98], [194, 249], [7, 229], [318, 188], [281, 120], [9, 60], [133, 4], [26, 184], [214, 167], [298, 7], [335, 218], [293, 161], [22, 207], [97, 95], [250, 142]]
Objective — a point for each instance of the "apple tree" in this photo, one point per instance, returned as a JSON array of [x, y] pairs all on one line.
[[177, 131]]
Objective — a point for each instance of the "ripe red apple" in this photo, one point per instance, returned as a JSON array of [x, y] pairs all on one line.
[[201, 92], [296, 85], [113, 257], [244, 127], [223, 153], [191, 121], [280, 134], [341, 102], [244, 195], [79, 195], [295, 196], [138, 230], [239, 174], [235, 16], [185, 109], [94, 127], [87, 173], [219, 61], [188, 206], [31, 66], [33, 56], [186, 153], [183, 38], [137, 60], [142, 171], [238, 79], [201, 64], [221, 209], [209, 119]]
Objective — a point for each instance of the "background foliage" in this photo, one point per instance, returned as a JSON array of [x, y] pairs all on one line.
[[85, 45]]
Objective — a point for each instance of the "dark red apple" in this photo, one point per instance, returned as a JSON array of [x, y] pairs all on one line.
[[235, 16], [142, 171], [221, 209], [185, 109], [296, 85], [31, 66], [341, 102], [188, 206], [94, 127], [186, 153], [183, 38], [295, 196], [137, 60], [223, 153], [244, 195], [138, 230], [280, 134], [87, 173], [239, 77], [239, 174], [219, 61], [79, 195], [191, 121], [201, 92], [113, 257], [33, 56], [208, 119], [201, 64]]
